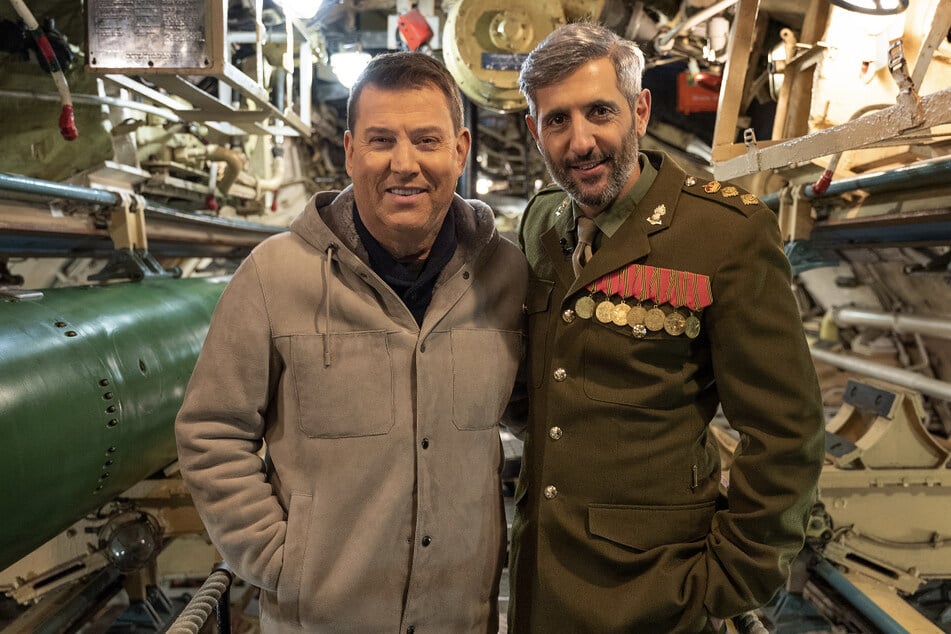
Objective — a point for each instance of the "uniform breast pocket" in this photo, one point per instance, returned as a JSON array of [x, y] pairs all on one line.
[[620, 368], [351, 397], [484, 363]]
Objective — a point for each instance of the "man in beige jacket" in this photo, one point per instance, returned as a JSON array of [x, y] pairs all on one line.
[[371, 350]]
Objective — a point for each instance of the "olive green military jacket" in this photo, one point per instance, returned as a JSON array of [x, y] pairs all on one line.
[[620, 525]]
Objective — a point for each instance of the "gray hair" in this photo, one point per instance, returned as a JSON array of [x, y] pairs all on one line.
[[572, 46]]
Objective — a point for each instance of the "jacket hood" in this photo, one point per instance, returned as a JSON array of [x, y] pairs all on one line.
[[327, 221]]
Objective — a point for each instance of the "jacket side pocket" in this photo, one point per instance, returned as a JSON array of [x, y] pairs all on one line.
[[299, 513]]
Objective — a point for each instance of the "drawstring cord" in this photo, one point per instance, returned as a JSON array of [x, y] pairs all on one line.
[[327, 294]]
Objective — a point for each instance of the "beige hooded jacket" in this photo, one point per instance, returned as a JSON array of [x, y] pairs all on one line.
[[378, 507]]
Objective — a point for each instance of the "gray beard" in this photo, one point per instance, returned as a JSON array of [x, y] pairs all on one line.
[[621, 167]]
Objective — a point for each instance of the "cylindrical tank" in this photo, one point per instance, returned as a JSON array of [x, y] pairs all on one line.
[[91, 379]]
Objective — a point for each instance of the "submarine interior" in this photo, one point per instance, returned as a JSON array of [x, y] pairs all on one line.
[[149, 146]]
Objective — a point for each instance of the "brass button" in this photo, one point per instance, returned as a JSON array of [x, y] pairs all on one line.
[[568, 316], [551, 492], [554, 433], [560, 374]]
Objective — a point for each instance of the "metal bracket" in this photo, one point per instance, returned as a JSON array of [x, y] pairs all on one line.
[[131, 259], [752, 155], [908, 99]]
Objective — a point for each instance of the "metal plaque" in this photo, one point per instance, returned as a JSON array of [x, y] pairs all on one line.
[[171, 35]]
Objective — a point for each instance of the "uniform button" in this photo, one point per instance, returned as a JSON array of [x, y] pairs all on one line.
[[568, 316], [554, 433], [422, 347], [551, 492], [425, 443], [411, 629], [560, 374], [525, 309], [427, 540]]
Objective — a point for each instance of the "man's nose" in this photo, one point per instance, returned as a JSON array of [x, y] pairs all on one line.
[[403, 158], [581, 138]]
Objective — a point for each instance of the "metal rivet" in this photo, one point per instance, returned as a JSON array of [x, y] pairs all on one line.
[[61, 324], [111, 409], [71, 333], [112, 422], [104, 382]]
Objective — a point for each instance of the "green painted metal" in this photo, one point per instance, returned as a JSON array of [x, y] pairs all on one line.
[[91, 379]]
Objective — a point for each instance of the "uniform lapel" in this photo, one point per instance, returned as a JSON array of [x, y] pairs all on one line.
[[551, 241], [631, 241]]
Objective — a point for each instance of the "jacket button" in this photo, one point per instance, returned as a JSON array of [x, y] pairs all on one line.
[[411, 629], [427, 540], [554, 433], [422, 347], [568, 316], [560, 374], [551, 492], [425, 443]]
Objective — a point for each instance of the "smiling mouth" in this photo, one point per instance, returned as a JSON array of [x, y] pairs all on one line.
[[405, 191], [587, 166]]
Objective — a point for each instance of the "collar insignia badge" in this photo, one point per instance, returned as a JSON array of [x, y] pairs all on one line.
[[655, 218]]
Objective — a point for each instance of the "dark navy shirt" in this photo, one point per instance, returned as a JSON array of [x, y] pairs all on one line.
[[414, 284]]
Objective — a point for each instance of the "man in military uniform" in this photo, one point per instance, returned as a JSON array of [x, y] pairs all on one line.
[[675, 300]]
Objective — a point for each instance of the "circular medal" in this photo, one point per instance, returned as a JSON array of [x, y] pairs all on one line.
[[620, 314], [674, 323], [640, 330], [635, 316], [584, 307], [654, 319], [605, 311], [692, 326]]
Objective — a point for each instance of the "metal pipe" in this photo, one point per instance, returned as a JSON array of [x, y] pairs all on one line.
[[96, 100], [902, 324], [51, 189], [911, 380], [27, 185], [664, 40], [921, 174], [884, 623]]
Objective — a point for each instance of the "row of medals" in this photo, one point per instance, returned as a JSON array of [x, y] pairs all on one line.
[[640, 319]]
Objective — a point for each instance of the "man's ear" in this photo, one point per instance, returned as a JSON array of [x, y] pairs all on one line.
[[642, 112], [348, 149], [532, 127]]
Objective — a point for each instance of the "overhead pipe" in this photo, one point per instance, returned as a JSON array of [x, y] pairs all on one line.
[[78, 193], [921, 174], [664, 42], [904, 378], [896, 322]]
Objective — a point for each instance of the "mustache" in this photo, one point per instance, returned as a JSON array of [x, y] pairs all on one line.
[[590, 157]]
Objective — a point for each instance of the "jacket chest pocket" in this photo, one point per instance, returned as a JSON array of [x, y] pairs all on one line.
[[619, 368], [350, 397], [536, 306], [484, 363]]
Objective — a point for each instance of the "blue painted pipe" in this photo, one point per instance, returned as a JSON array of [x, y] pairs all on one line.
[[871, 611], [921, 174]]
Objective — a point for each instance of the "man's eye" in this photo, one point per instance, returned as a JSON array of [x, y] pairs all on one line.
[[558, 119]]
